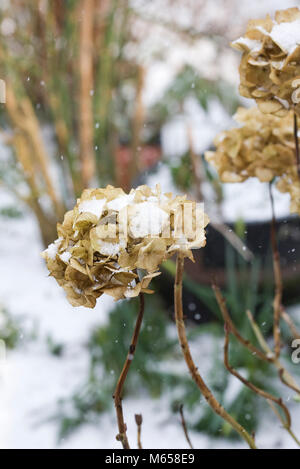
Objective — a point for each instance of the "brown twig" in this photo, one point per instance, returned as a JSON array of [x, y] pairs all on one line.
[[288, 320], [227, 319], [196, 165], [297, 151], [289, 430], [222, 228], [278, 280], [282, 373], [86, 137], [212, 401], [122, 435], [183, 423], [260, 392], [139, 421], [285, 377], [267, 355], [137, 126]]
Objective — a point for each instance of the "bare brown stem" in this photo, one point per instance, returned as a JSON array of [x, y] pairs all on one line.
[[137, 125], [183, 423], [212, 401], [289, 430], [122, 435], [288, 320], [278, 280], [86, 137], [196, 165], [284, 375], [267, 355], [227, 319], [139, 421], [260, 392], [297, 151]]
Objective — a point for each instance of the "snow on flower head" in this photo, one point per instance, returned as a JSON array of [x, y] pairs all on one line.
[[114, 243], [262, 146], [270, 66], [290, 184]]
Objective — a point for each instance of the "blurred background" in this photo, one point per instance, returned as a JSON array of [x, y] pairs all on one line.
[[129, 92]]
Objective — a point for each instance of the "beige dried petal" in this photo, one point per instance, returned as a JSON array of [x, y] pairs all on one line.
[[267, 150], [151, 255], [97, 253], [271, 62]]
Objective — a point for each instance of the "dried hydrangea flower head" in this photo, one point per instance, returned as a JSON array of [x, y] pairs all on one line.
[[113, 242], [290, 184], [262, 146], [270, 65]]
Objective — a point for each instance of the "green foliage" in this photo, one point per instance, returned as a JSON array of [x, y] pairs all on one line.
[[182, 173], [9, 329], [55, 348], [158, 355], [10, 212], [108, 347], [242, 291], [188, 83]]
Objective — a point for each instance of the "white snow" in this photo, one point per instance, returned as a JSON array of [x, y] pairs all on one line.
[[284, 102], [146, 219], [94, 206], [252, 44], [34, 380], [65, 256], [238, 204], [120, 202], [52, 249], [287, 35], [110, 249], [193, 125]]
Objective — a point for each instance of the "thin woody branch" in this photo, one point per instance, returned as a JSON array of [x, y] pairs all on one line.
[[86, 137], [269, 397], [283, 374], [122, 435], [289, 430], [257, 390], [139, 421], [267, 355], [288, 320], [296, 137], [206, 392], [278, 280], [227, 319], [183, 423]]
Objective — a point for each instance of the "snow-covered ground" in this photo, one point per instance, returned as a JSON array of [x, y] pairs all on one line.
[[32, 380]]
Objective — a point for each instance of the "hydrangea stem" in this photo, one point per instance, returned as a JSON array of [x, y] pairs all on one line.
[[212, 401], [184, 426], [139, 421], [122, 435], [297, 151], [277, 278]]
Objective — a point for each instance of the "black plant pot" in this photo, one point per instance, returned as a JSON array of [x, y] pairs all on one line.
[[210, 263]]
